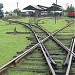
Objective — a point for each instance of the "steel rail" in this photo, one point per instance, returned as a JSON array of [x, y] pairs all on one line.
[[57, 41], [63, 46], [67, 58], [47, 59], [67, 49], [24, 53], [68, 55], [28, 51], [71, 56], [58, 30], [37, 37], [44, 53], [49, 55]]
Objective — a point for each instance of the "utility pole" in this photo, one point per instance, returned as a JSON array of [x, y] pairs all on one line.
[[55, 12], [17, 5], [56, 1]]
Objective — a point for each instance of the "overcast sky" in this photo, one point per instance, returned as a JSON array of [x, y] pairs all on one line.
[[10, 5]]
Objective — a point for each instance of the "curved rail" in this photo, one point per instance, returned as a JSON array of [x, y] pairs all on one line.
[[71, 56], [7, 65], [56, 40], [47, 58], [29, 50]]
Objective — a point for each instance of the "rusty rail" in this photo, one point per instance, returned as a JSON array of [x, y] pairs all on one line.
[[71, 56]]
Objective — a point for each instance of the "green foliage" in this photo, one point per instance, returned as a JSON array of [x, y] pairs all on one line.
[[6, 12], [1, 5], [17, 11], [70, 8], [1, 12]]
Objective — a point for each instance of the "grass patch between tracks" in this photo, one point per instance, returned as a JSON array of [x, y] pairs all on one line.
[[10, 43], [48, 23]]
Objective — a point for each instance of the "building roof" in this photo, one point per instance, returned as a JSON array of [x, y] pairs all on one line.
[[38, 7], [54, 8], [31, 7], [56, 5], [42, 7]]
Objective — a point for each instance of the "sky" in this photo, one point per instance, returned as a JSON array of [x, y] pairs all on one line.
[[10, 5]]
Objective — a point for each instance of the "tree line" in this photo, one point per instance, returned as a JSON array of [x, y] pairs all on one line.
[[70, 8]]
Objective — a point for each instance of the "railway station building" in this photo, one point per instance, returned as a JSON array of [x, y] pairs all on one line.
[[42, 11], [37, 11], [55, 10]]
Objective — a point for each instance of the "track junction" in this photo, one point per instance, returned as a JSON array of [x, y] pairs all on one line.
[[48, 54]]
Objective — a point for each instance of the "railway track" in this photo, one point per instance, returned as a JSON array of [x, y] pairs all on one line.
[[44, 58], [59, 54], [71, 60]]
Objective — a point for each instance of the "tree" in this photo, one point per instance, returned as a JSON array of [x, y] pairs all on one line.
[[6, 13], [1, 11], [17, 11], [70, 8], [1, 5]]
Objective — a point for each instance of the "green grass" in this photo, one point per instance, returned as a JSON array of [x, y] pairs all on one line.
[[25, 73], [31, 66], [49, 23], [10, 43], [26, 20]]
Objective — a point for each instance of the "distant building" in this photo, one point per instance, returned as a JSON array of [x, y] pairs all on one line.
[[10, 14], [23, 14], [55, 10], [39, 10]]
